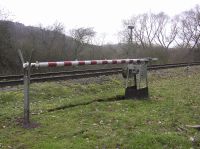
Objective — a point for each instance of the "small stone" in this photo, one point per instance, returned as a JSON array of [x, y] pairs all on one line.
[[192, 139], [87, 139], [101, 122]]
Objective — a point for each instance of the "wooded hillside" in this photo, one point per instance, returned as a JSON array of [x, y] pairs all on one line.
[[153, 35]]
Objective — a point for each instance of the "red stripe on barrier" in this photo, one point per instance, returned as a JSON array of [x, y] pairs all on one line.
[[52, 64], [131, 61], [67, 63], [104, 62], [123, 61], [114, 61], [93, 62], [81, 62]]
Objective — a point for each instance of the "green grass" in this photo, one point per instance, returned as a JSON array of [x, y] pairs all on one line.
[[89, 120]]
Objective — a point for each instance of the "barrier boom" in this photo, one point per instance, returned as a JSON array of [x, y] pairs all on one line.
[[89, 62]]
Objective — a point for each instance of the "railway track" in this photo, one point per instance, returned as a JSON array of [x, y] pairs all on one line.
[[13, 80]]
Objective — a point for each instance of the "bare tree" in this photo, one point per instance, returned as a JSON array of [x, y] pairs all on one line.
[[6, 53], [144, 31], [82, 36], [189, 28], [53, 40], [152, 30], [4, 15], [167, 30]]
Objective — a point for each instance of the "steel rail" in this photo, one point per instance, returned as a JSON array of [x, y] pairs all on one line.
[[60, 77], [11, 77], [66, 75]]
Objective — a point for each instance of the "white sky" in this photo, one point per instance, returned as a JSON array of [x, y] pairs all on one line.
[[104, 15]]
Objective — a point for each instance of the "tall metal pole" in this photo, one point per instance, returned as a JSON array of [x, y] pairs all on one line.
[[131, 33]]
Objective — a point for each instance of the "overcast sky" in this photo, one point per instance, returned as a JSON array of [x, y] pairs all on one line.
[[104, 15]]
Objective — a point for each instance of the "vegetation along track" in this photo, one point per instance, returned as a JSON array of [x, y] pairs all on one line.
[[12, 80]]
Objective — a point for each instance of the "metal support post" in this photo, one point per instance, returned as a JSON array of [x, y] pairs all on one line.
[[135, 80], [127, 77], [27, 72], [26, 96]]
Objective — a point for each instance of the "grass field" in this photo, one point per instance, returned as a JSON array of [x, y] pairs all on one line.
[[92, 116]]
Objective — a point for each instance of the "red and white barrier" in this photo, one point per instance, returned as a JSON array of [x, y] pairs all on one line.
[[89, 62]]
